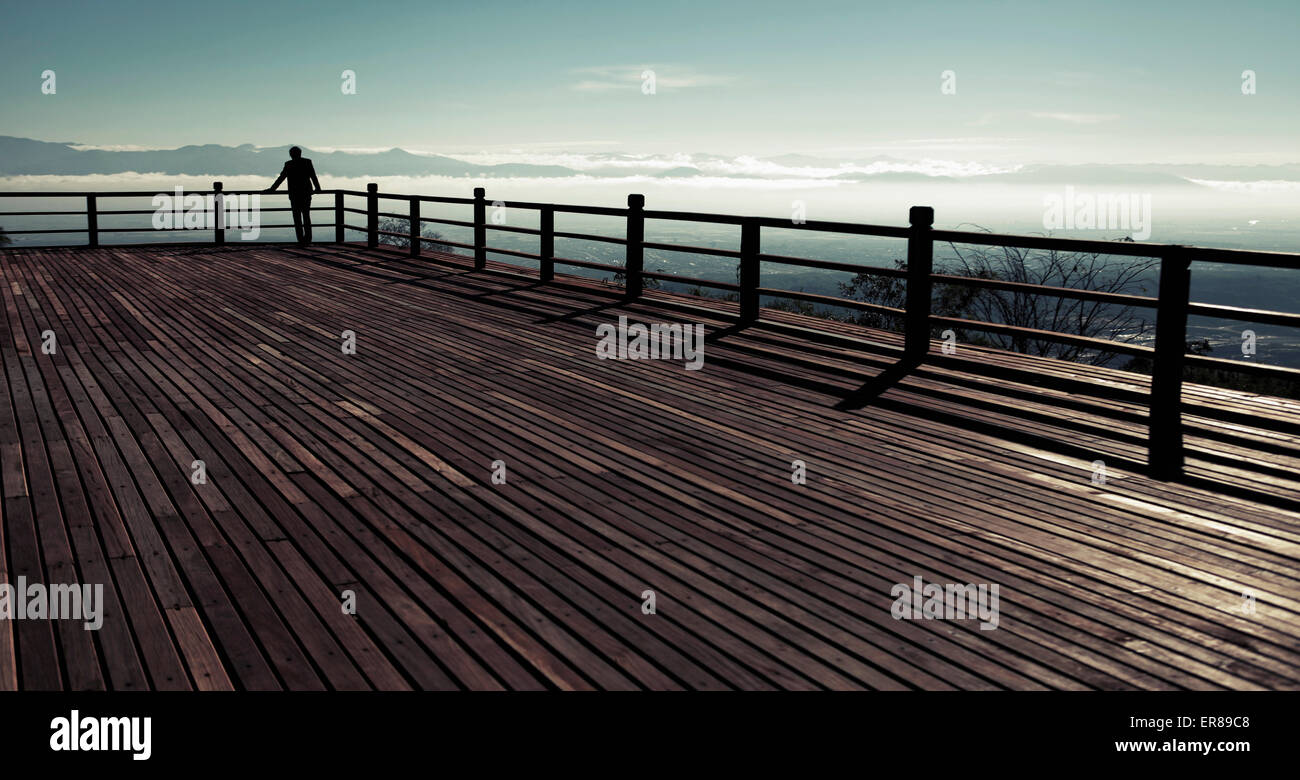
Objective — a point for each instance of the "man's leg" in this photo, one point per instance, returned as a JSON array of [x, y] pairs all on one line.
[[295, 205], [306, 219]]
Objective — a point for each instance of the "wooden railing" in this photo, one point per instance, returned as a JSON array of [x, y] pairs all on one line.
[[1172, 306]]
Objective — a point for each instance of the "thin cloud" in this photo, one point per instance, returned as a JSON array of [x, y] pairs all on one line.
[[603, 78], [1074, 119], [1074, 78], [1262, 185], [957, 144], [119, 148]]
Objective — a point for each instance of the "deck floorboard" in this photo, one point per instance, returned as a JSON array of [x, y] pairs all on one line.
[[371, 474]]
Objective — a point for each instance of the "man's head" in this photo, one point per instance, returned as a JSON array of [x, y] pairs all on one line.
[[295, 152]]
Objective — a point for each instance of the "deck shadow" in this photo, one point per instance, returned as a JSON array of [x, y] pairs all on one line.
[[868, 395], [878, 384], [871, 395]]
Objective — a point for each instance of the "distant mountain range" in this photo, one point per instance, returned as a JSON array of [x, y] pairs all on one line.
[[25, 156], [19, 156]]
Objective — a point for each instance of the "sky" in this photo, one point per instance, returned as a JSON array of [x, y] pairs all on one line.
[[1101, 81]]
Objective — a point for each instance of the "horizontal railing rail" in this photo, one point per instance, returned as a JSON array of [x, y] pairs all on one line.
[[1171, 304]]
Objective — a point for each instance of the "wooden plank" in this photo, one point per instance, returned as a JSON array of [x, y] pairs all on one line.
[[372, 472]]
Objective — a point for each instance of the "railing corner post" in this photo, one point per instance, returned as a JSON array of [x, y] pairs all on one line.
[[749, 268], [634, 262], [546, 229], [1165, 405], [372, 215], [415, 226], [920, 265], [218, 213], [480, 229], [338, 218], [92, 221]]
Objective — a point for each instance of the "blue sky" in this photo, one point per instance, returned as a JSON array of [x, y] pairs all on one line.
[[1035, 82]]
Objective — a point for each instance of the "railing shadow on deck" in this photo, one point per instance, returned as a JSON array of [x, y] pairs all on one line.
[[1164, 402], [875, 387], [892, 368]]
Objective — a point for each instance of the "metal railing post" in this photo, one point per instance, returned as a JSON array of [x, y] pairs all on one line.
[[218, 213], [338, 218], [415, 226], [920, 264], [546, 248], [92, 221], [480, 229], [633, 264], [1165, 412], [372, 215], [749, 249]]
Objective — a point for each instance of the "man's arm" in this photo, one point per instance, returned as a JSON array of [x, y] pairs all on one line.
[[314, 180], [276, 186]]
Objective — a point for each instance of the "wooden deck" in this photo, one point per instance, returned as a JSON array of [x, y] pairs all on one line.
[[372, 473]]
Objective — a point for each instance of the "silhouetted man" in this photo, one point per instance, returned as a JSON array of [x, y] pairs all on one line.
[[302, 183]]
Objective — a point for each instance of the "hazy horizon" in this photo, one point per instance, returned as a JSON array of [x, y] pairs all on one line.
[[838, 111], [1009, 83]]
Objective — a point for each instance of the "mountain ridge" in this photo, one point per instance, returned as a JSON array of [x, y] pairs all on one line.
[[26, 156]]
